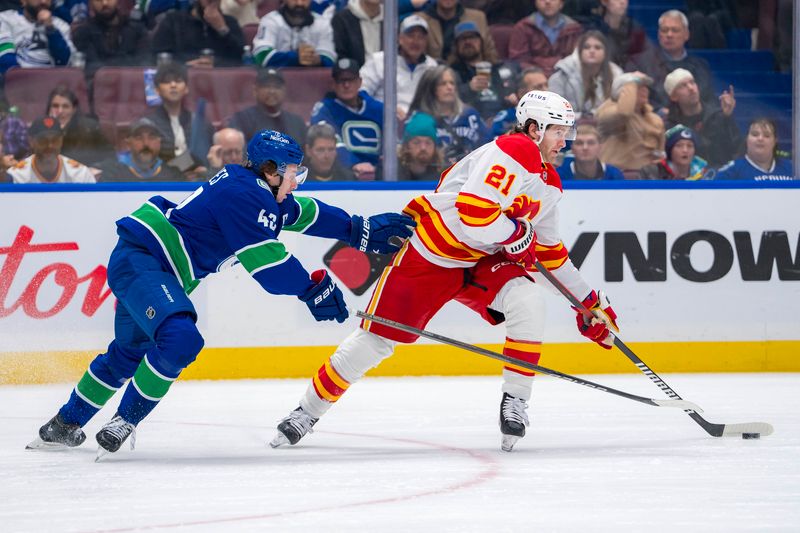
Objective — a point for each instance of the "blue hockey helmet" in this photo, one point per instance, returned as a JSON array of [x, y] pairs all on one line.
[[271, 145]]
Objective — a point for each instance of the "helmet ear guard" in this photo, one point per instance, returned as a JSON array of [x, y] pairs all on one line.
[[547, 109]]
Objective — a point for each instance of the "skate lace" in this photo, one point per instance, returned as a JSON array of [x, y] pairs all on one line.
[[301, 421], [121, 428], [514, 409]]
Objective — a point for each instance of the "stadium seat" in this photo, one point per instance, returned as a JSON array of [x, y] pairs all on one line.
[[501, 33], [265, 6], [305, 87], [249, 31], [226, 90], [754, 82], [119, 99], [28, 88], [727, 60]]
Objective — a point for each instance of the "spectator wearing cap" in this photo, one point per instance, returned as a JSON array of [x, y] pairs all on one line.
[[294, 36], [585, 163], [320, 155], [268, 112], [412, 62], [659, 60], [184, 34], [32, 37], [47, 165], [680, 162], [141, 162], [486, 86], [228, 149], [631, 132], [716, 132], [418, 157], [178, 125], [110, 38], [356, 117], [443, 16], [530, 79], [544, 37], [357, 29]]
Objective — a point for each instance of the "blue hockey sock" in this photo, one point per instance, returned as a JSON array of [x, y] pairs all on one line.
[[89, 395], [144, 392]]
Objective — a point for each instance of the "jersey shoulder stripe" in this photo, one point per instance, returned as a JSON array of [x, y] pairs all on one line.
[[521, 149]]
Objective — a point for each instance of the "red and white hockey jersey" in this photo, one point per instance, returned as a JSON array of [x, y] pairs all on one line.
[[471, 209], [69, 171]]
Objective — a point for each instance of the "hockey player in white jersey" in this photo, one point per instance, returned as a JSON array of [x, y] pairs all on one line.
[[491, 216]]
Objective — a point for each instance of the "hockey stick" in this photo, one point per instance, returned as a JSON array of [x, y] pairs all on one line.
[[679, 403], [747, 429]]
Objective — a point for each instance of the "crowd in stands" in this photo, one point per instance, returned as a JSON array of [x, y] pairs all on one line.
[[649, 104]]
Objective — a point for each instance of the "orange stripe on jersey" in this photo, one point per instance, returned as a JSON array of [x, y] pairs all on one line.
[[476, 211], [435, 235], [528, 351], [552, 257], [328, 384]]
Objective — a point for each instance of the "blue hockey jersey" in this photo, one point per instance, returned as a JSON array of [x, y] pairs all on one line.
[[358, 131], [744, 169], [233, 218]]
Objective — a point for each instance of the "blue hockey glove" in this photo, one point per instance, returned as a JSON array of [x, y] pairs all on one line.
[[377, 233], [325, 300]]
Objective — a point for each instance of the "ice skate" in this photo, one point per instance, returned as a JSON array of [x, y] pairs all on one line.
[[513, 420], [57, 435], [113, 435], [292, 428]]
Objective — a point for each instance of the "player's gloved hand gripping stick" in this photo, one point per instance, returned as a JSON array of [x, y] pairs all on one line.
[[380, 234], [594, 313]]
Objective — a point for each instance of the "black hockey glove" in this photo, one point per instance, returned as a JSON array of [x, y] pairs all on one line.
[[325, 299], [377, 233]]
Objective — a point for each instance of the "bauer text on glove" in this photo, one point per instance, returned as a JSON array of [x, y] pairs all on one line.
[[520, 247], [380, 234], [324, 299], [604, 320]]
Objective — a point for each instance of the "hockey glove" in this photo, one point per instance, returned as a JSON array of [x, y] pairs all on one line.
[[521, 246], [377, 233], [604, 320], [325, 300]]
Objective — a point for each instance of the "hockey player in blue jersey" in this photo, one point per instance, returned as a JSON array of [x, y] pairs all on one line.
[[163, 252]]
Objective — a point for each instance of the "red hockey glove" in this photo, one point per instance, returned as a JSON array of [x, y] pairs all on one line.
[[521, 246], [599, 327]]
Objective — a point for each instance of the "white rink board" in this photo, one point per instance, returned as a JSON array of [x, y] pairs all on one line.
[[235, 312]]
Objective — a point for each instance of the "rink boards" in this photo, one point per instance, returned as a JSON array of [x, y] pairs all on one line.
[[703, 280]]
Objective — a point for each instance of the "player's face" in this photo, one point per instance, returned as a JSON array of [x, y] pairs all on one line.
[[61, 109], [683, 152], [672, 34], [761, 142], [586, 147], [593, 52], [287, 184], [446, 88], [323, 154], [553, 141]]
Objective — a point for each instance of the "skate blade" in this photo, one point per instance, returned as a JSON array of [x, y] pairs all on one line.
[[101, 452], [279, 440], [508, 442], [39, 444]]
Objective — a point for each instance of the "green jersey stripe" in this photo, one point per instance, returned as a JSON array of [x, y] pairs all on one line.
[[171, 243], [150, 382], [259, 269], [262, 255], [309, 211], [6, 48], [94, 391]]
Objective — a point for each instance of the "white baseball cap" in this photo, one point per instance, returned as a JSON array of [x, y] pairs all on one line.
[[413, 21]]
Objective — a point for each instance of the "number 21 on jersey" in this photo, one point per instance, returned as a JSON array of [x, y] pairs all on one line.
[[500, 179]]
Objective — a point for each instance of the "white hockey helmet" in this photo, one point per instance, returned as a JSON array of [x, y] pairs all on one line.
[[546, 108]]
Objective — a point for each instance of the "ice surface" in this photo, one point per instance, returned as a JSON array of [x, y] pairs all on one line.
[[416, 454]]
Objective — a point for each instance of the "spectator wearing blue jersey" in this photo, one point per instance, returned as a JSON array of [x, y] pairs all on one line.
[[760, 161], [530, 79], [357, 119], [165, 250], [294, 36], [681, 161], [585, 162], [459, 127]]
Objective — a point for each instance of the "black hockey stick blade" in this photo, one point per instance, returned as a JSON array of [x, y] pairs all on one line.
[[715, 430], [678, 403]]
